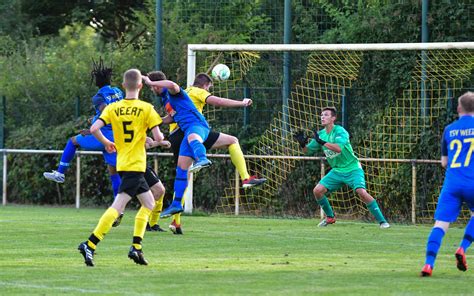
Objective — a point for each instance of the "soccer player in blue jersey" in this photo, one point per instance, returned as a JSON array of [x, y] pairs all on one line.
[[182, 110], [457, 148], [85, 140]]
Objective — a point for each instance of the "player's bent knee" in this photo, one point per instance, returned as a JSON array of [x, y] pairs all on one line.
[[233, 140], [74, 141], [319, 191], [158, 191], [442, 224], [364, 195]]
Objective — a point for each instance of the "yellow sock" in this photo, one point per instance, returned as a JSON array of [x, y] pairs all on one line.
[[141, 220], [104, 225], [238, 160], [177, 217], [155, 214]]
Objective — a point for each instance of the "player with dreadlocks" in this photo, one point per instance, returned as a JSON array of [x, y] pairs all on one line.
[[85, 140]]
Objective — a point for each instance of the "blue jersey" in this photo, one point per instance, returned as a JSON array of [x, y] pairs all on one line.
[[458, 146], [182, 109], [106, 95]]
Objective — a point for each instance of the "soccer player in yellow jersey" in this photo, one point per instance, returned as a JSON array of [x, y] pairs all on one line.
[[130, 119], [200, 96]]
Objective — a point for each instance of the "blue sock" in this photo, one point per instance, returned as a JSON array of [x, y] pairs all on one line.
[[180, 184], [68, 155], [432, 247], [468, 235], [198, 149], [115, 179]]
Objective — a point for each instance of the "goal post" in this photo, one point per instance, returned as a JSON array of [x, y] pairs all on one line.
[[339, 75]]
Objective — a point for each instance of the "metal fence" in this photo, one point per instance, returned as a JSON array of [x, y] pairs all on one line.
[[155, 156]]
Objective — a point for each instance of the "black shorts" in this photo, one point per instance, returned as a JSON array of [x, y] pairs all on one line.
[[133, 183], [177, 137], [150, 177]]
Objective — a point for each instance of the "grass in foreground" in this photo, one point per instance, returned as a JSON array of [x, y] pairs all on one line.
[[221, 255]]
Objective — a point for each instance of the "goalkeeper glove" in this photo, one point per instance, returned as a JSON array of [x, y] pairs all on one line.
[[301, 138], [318, 139]]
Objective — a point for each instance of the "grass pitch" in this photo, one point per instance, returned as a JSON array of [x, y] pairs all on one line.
[[221, 255]]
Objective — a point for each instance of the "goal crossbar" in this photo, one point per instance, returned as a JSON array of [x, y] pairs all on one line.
[[311, 47], [192, 48]]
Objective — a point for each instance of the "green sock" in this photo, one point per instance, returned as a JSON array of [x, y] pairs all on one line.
[[375, 210], [324, 203]]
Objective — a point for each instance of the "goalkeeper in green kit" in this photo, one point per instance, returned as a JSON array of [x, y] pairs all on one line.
[[333, 140]]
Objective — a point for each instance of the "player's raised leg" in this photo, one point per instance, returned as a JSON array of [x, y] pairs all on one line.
[[238, 160], [195, 137], [68, 154]]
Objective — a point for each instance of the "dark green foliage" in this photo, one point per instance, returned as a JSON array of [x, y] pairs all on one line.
[[26, 183], [42, 77]]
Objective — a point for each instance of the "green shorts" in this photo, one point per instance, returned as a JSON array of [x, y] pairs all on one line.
[[334, 180]]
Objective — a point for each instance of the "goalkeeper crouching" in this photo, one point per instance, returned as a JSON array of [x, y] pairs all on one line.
[[333, 140]]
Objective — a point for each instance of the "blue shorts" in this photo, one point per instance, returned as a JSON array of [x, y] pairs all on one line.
[[90, 143], [450, 202], [185, 149]]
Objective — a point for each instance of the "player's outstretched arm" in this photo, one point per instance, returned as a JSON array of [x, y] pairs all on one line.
[[95, 130], [172, 87], [157, 134], [167, 119], [159, 138], [150, 143], [225, 102]]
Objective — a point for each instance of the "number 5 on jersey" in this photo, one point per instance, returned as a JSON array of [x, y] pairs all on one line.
[[128, 133]]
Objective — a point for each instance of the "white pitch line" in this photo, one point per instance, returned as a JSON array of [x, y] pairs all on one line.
[[30, 286]]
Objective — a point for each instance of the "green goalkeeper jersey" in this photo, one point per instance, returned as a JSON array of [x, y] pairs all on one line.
[[344, 161]]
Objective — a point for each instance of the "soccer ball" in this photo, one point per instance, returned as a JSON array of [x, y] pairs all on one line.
[[220, 72]]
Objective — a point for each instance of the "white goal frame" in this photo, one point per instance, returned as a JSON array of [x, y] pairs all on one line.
[[193, 48]]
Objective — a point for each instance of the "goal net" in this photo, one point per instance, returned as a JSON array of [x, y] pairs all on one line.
[[394, 99]]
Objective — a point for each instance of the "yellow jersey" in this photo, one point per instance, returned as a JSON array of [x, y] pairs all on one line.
[[198, 96], [130, 119]]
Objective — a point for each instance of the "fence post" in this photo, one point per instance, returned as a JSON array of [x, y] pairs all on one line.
[[188, 195], [413, 192], [4, 181], [237, 192], [2, 121], [78, 180], [323, 172], [2, 137]]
